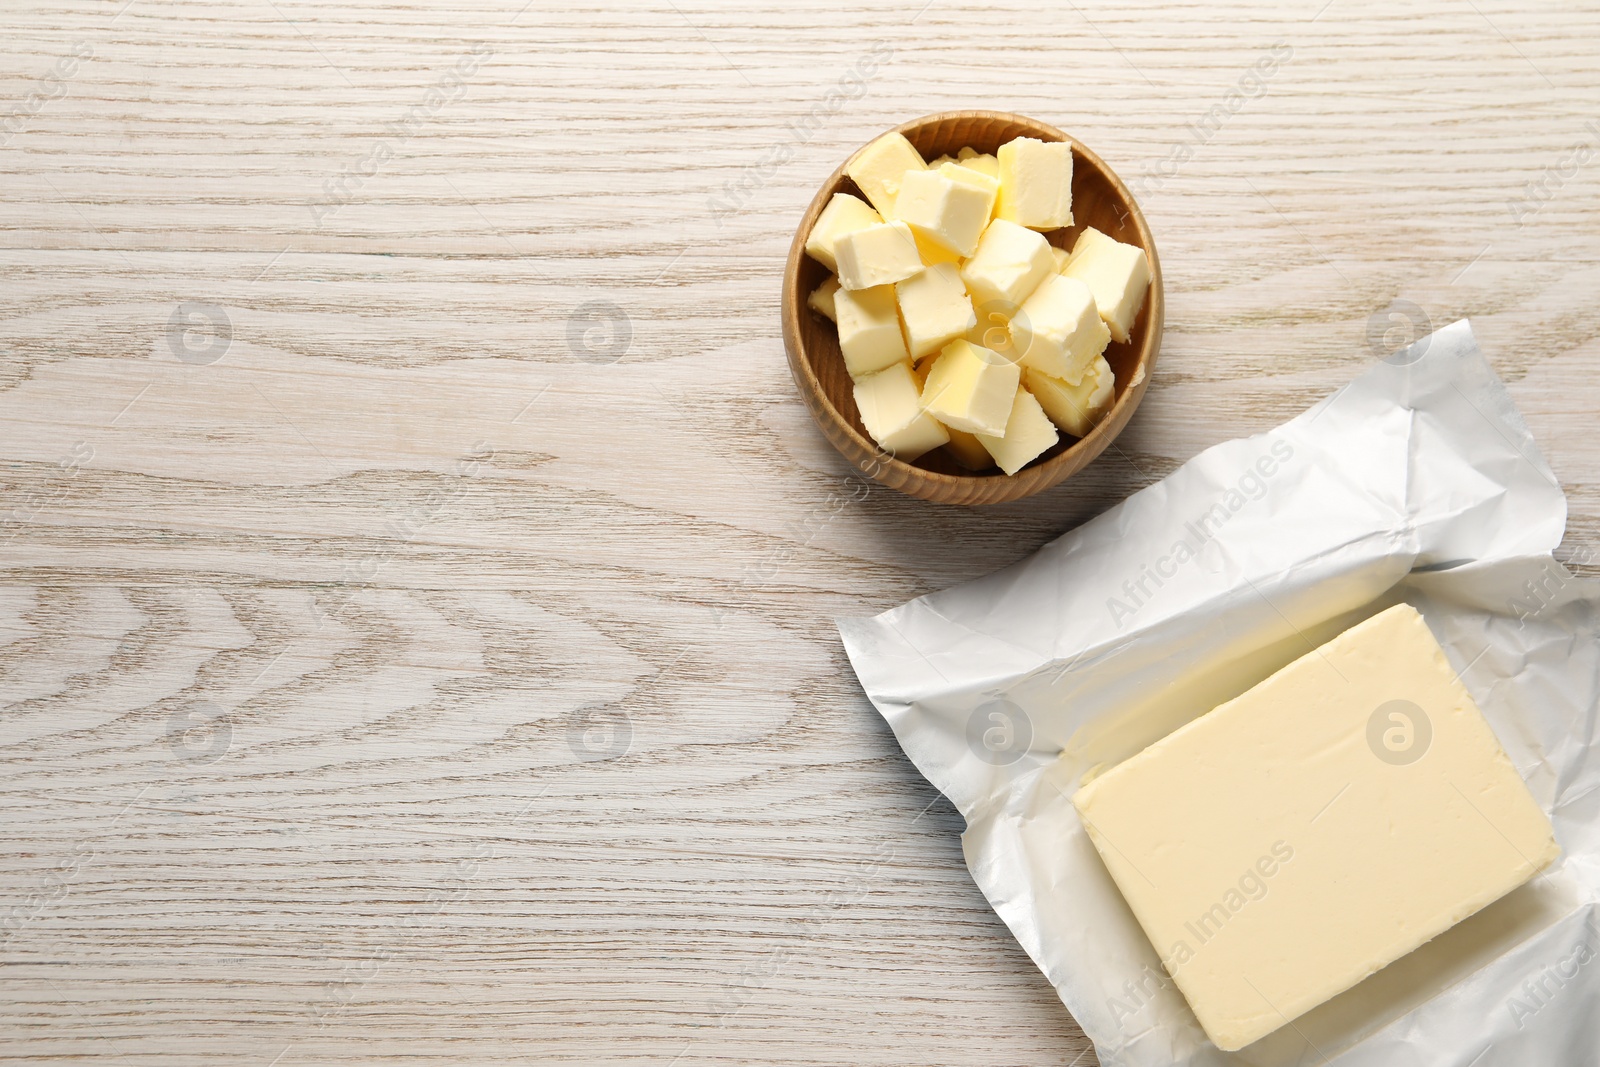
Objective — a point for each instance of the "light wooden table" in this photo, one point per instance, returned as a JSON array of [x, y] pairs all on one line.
[[419, 569]]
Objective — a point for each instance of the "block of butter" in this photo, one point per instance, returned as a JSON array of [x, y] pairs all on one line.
[[979, 161], [1076, 408], [964, 448], [1028, 435], [971, 388], [1116, 273], [935, 309], [1036, 183], [877, 255], [869, 329], [879, 168], [1284, 846], [951, 212], [1009, 262], [844, 214], [1058, 331], [821, 299], [890, 404]]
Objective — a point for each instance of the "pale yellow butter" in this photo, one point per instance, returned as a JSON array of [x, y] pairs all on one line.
[[1118, 274], [932, 252], [1028, 434], [948, 211], [879, 168], [1060, 255], [1010, 260], [877, 255], [890, 404], [980, 162], [971, 388], [977, 179], [1036, 183], [1058, 331], [869, 329], [1288, 844], [934, 308], [821, 299], [964, 448], [843, 214], [1077, 409]]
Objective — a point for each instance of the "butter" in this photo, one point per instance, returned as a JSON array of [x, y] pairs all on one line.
[[967, 450], [950, 212], [1118, 274], [1059, 331], [1036, 183], [932, 252], [1077, 409], [1008, 263], [821, 299], [935, 309], [971, 388], [890, 404], [1028, 434], [980, 162], [993, 329], [975, 178], [869, 329], [879, 167], [1060, 255], [843, 214], [1286, 845], [964, 447], [877, 255]]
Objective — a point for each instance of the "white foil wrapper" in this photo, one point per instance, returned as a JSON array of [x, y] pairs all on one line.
[[1418, 482]]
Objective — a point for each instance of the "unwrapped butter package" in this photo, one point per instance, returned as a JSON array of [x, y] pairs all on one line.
[[1417, 483]]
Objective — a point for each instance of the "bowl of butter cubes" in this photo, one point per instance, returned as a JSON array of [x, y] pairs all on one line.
[[972, 307]]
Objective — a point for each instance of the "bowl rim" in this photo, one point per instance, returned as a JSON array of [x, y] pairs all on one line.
[[1058, 467]]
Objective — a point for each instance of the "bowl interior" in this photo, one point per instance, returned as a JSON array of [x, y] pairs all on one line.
[[1098, 200]]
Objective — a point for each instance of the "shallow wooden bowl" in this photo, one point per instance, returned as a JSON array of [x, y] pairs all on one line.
[[1099, 199]]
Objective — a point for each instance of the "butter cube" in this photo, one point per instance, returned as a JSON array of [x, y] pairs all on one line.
[[934, 164], [1116, 273], [980, 162], [967, 450], [869, 329], [1060, 255], [1036, 183], [932, 252], [877, 255], [1058, 331], [1008, 263], [935, 308], [879, 167], [1028, 434], [1290, 842], [964, 447], [971, 388], [821, 299], [975, 178], [992, 330], [844, 214], [1077, 409], [949, 211], [891, 410]]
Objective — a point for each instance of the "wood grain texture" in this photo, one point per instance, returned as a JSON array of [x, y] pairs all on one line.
[[419, 566]]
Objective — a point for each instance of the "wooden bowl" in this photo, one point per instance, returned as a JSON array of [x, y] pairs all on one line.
[[1099, 199]]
